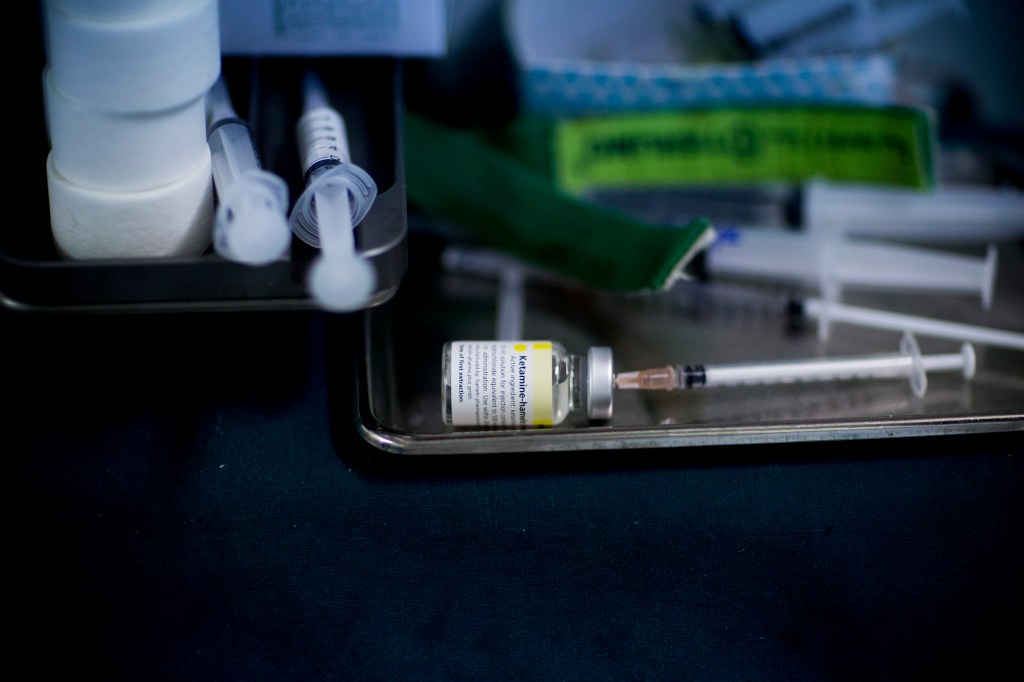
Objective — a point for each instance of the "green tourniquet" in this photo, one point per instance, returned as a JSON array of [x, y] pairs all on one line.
[[745, 145], [494, 186]]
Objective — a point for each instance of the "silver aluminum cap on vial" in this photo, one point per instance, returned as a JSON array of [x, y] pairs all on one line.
[[600, 382]]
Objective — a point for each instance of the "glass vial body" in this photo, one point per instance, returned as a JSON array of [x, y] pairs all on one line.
[[522, 384]]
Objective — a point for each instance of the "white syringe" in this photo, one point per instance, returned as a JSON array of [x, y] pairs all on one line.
[[827, 312], [907, 363], [251, 225], [337, 197], [833, 262], [947, 214]]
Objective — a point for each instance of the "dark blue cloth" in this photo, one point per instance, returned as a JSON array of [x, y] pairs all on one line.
[[192, 502]]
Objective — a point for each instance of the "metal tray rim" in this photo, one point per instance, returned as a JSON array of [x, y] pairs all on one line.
[[497, 441]]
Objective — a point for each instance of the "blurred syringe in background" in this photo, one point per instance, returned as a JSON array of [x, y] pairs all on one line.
[[251, 224], [832, 262], [945, 215], [337, 197]]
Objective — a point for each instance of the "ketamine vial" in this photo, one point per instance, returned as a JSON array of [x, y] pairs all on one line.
[[523, 384]]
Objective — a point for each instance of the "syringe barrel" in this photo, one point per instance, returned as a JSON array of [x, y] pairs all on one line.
[[233, 153], [323, 140], [908, 362], [867, 367]]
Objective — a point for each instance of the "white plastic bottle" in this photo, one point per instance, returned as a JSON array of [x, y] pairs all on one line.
[[523, 384]]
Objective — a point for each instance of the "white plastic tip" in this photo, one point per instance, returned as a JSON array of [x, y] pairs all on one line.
[[342, 285], [252, 224], [257, 238]]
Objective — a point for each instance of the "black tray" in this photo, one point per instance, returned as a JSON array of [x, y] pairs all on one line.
[[265, 91]]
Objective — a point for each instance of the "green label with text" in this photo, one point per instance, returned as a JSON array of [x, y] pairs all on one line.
[[749, 145]]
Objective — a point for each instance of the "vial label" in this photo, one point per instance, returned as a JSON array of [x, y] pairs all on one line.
[[501, 383]]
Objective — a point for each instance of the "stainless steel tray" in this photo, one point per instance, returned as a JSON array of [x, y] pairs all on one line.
[[399, 396]]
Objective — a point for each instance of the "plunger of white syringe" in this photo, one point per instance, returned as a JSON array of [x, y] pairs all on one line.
[[339, 278]]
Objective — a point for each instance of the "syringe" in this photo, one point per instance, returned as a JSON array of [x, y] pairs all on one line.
[[337, 197], [833, 262], [828, 312], [251, 225], [908, 362], [947, 214]]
